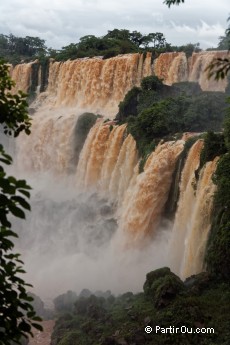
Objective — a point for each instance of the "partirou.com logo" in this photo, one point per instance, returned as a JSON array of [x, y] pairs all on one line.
[[182, 329]]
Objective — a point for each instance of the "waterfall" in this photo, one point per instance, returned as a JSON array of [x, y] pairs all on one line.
[[106, 214], [98, 85], [49, 147], [185, 205], [144, 204], [197, 234], [107, 160], [193, 216], [198, 64], [93, 223], [171, 67]]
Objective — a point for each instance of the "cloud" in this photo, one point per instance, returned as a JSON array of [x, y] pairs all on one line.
[[61, 23], [207, 35]]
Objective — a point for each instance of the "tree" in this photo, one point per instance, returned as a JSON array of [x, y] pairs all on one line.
[[122, 34], [17, 315], [151, 83], [189, 48], [157, 39], [136, 37], [224, 43], [14, 49]]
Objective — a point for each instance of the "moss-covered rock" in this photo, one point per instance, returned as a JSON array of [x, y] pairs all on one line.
[[162, 286]]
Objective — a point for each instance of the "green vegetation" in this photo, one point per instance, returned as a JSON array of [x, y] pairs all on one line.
[[218, 254], [214, 146], [15, 49], [23, 49], [156, 111], [13, 112], [65, 302], [113, 43], [200, 302], [17, 315], [173, 2]]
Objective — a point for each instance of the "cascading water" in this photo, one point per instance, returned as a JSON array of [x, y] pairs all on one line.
[[99, 85], [198, 73], [145, 202], [107, 160], [22, 73], [171, 67], [89, 222], [197, 234], [49, 146], [193, 216]]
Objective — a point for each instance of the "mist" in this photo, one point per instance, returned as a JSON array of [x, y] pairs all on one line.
[[71, 241]]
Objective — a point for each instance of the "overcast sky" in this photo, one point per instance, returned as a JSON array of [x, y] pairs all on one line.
[[60, 22]]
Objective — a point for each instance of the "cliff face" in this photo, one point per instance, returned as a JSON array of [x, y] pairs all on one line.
[[99, 85]]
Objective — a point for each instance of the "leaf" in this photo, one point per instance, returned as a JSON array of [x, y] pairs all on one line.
[[22, 184], [31, 314], [24, 192], [37, 326], [37, 318], [24, 326], [21, 201], [6, 161], [17, 212]]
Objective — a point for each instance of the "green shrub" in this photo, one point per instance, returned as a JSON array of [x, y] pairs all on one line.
[[213, 146]]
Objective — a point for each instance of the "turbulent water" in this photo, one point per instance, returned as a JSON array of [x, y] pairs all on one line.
[[101, 224]]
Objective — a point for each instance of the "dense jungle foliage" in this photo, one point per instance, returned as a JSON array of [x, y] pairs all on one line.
[[156, 111]]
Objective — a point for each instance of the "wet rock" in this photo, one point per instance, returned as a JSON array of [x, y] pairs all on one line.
[[197, 283], [162, 286]]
